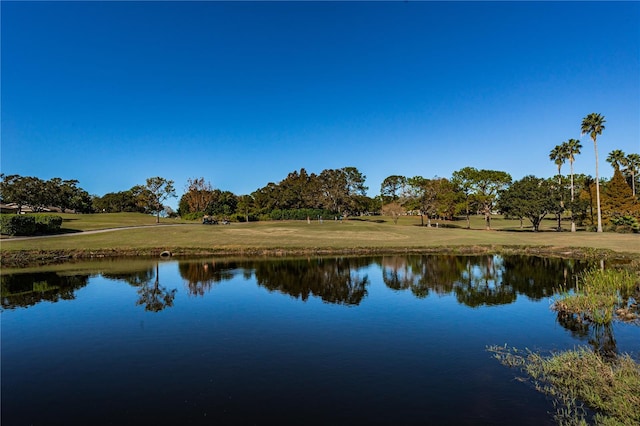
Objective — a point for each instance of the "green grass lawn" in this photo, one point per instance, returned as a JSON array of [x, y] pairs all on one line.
[[372, 233], [91, 222]]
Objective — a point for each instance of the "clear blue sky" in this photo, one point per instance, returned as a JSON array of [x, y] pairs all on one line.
[[243, 93]]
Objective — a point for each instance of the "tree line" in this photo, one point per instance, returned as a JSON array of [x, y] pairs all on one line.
[[342, 192]]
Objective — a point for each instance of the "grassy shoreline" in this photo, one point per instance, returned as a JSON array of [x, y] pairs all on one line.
[[85, 238]]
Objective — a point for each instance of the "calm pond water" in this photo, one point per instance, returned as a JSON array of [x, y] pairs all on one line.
[[362, 340]]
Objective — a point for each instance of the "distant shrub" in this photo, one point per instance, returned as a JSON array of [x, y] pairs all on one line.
[[20, 224], [16, 224], [47, 224], [242, 218], [625, 224], [193, 216]]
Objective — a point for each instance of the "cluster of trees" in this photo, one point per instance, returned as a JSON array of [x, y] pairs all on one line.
[[342, 192], [39, 194], [469, 191], [64, 195], [339, 192], [148, 198]]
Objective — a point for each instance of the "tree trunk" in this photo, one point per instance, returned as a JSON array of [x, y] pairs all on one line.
[[595, 146], [573, 220]]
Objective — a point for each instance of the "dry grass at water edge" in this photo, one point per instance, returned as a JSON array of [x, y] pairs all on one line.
[[610, 388]]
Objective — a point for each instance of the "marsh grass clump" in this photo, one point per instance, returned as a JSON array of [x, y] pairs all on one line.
[[599, 294], [610, 388]]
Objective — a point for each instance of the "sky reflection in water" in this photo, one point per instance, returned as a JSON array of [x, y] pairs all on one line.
[[379, 340]]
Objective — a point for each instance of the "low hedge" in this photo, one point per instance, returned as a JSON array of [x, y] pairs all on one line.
[[22, 224], [48, 224]]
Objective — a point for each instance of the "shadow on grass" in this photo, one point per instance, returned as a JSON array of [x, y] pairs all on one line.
[[357, 219], [68, 231], [540, 231], [440, 225]]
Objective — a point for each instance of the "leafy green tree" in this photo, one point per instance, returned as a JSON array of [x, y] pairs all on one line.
[[340, 189], [245, 206], [14, 189], [421, 195], [447, 198], [266, 199], [392, 188], [333, 184], [529, 197], [484, 186], [65, 194], [593, 124], [123, 201], [432, 197], [558, 194], [355, 188], [298, 190], [81, 202], [463, 180], [224, 204], [25, 191], [158, 189], [198, 196]]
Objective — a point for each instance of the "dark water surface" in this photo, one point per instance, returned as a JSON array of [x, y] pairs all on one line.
[[363, 340]]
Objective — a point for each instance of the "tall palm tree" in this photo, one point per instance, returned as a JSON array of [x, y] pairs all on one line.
[[572, 148], [558, 155], [617, 158], [594, 125], [632, 168]]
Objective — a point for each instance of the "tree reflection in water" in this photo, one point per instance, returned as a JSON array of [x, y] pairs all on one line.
[[474, 280], [422, 274], [202, 276], [599, 336], [478, 280], [333, 280], [155, 297], [22, 290], [481, 283]]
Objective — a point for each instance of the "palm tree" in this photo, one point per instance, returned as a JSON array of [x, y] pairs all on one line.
[[572, 148], [594, 125], [617, 158], [558, 155], [632, 169]]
